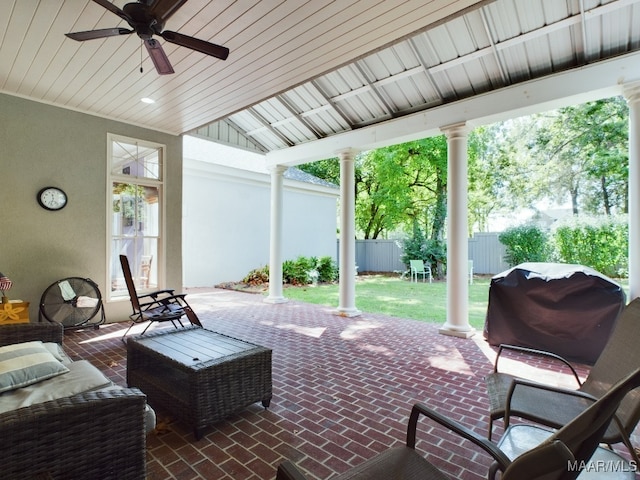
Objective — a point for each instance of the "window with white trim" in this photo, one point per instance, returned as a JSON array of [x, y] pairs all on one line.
[[136, 173]]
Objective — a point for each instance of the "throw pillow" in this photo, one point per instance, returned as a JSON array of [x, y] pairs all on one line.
[[23, 364]]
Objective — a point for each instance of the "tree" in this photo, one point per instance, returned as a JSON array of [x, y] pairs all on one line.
[[396, 185], [582, 150], [328, 169], [578, 152]]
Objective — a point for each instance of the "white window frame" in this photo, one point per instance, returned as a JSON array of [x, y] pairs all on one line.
[[113, 261]]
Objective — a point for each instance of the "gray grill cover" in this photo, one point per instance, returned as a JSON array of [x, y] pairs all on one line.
[[569, 310]]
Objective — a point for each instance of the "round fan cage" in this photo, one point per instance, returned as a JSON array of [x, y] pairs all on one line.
[[74, 302]]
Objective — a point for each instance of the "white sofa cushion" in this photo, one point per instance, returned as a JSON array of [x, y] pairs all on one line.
[[23, 364], [82, 377]]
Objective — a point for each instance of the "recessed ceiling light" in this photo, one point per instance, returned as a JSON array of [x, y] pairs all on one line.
[[147, 100]]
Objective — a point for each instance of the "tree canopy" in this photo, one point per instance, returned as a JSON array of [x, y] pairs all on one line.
[[577, 154]]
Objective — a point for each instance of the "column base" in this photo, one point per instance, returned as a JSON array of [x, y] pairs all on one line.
[[347, 312], [275, 299], [460, 332]]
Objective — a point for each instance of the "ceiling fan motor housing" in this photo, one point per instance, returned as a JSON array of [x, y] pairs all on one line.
[[144, 24]]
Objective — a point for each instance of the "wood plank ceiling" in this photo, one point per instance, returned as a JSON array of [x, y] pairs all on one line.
[[274, 44], [303, 70]]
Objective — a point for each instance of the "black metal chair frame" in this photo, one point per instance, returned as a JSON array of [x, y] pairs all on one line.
[[158, 306]]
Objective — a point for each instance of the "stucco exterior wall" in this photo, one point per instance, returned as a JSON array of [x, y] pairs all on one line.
[[226, 222]]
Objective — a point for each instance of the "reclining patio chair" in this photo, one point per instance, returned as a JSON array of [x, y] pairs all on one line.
[[554, 458], [158, 306], [555, 407]]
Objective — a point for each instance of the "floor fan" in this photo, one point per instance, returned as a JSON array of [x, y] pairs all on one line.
[[74, 302]]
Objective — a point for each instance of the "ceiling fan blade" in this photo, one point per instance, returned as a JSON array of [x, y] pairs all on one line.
[[196, 44], [161, 10], [114, 9], [158, 57], [102, 33]]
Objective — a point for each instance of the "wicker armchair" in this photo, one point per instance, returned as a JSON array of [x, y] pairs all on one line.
[[90, 435]]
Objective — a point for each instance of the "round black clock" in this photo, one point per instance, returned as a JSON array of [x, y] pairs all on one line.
[[52, 198]]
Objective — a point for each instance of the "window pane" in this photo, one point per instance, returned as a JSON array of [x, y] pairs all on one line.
[[135, 210], [136, 160], [142, 254], [149, 216]]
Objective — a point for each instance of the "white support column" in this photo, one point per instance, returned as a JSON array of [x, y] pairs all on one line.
[[457, 323], [275, 237], [632, 94], [347, 302]]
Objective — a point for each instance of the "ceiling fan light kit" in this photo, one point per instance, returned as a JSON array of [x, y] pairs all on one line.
[[147, 18]]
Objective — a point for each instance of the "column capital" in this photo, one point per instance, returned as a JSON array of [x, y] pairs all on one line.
[[347, 153], [631, 92], [277, 169], [456, 130]]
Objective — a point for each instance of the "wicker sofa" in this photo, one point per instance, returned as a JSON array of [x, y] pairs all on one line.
[[91, 434]]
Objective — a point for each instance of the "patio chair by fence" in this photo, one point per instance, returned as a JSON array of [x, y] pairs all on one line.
[[574, 444], [554, 407], [418, 267]]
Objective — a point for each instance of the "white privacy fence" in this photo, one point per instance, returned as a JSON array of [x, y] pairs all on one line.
[[485, 250]]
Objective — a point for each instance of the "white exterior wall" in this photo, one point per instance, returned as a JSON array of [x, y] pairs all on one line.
[[226, 222]]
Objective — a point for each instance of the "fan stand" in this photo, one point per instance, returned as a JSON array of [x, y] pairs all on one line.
[[74, 302]]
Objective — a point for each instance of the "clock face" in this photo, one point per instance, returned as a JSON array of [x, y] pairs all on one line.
[[52, 198]]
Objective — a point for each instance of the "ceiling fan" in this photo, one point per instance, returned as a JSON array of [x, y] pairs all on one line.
[[147, 18]]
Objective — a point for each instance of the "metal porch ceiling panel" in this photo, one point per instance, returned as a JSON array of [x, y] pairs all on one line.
[[256, 130], [500, 44], [314, 108], [283, 121]]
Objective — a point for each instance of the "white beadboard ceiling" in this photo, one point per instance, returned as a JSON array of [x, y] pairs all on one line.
[[300, 71], [274, 44]]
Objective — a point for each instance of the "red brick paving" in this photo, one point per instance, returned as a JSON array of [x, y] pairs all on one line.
[[343, 389]]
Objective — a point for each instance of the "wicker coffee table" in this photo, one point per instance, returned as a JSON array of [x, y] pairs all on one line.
[[199, 375]]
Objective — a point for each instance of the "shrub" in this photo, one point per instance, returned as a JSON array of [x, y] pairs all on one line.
[[301, 271], [327, 270], [298, 272], [597, 242], [526, 243], [257, 276], [418, 247]]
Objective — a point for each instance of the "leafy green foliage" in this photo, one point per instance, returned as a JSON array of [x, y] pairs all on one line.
[[327, 270], [600, 243], [526, 243], [396, 185], [301, 271], [577, 154], [418, 247], [297, 272]]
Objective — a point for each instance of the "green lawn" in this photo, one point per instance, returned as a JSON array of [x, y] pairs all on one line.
[[390, 295]]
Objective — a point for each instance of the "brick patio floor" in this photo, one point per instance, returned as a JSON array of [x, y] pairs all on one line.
[[343, 389]]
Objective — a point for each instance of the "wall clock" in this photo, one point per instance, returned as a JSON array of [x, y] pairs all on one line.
[[52, 198]]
